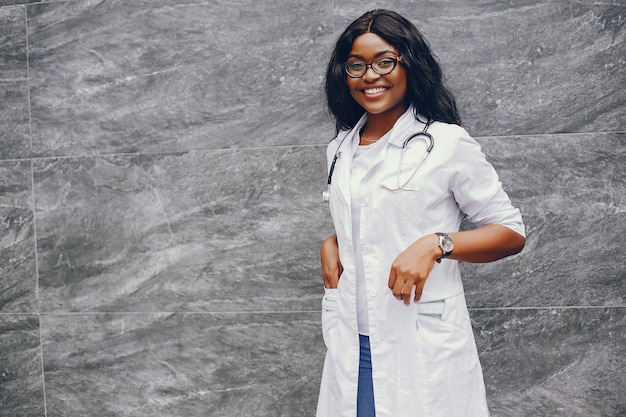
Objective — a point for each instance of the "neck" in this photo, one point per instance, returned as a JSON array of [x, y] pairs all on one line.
[[378, 125]]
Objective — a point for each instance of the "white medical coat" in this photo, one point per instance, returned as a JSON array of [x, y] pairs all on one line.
[[424, 359]]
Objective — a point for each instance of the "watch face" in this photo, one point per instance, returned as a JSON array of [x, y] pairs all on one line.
[[447, 244]]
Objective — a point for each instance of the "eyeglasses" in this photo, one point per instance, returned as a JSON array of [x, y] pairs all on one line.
[[383, 66]]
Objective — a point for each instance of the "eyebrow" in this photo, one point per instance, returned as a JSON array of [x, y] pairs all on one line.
[[386, 51]]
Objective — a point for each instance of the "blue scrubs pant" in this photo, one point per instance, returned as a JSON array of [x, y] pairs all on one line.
[[365, 393]]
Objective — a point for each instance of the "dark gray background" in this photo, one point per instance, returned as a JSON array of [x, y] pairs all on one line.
[[161, 169]]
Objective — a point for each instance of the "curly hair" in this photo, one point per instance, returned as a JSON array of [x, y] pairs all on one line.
[[425, 89]]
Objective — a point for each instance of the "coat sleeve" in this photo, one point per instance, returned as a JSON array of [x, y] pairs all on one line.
[[478, 190]]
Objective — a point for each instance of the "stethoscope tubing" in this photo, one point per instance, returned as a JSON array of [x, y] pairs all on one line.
[[430, 142], [424, 134]]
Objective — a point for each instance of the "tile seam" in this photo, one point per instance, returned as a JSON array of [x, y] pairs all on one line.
[[254, 148], [32, 185], [139, 313]]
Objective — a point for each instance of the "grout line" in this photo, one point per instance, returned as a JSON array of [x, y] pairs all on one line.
[[169, 152], [250, 148], [47, 2], [544, 308], [532, 135], [43, 373], [32, 185], [248, 312]]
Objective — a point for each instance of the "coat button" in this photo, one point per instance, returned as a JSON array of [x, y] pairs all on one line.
[[377, 337]]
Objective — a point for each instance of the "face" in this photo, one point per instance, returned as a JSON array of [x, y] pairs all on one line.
[[380, 95]]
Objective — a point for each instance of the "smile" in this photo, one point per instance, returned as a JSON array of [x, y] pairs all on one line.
[[376, 90]]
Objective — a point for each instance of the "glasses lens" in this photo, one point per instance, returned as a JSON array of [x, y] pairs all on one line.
[[355, 69], [384, 66]]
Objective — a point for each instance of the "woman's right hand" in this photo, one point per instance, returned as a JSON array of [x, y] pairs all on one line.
[[331, 265]]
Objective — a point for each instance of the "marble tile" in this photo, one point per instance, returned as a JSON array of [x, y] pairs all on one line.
[[13, 43], [14, 139], [536, 363], [240, 229], [182, 279], [571, 190], [524, 67], [216, 230], [553, 362], [21, 382], [182, 364], [162, 75], [18, 279]]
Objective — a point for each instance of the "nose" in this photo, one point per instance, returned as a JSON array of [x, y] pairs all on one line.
[[370, 74]]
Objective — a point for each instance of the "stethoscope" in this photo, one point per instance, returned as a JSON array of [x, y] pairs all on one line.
[[424, 135]]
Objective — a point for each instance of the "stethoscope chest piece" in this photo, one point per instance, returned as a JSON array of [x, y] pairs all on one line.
[[326, 195]]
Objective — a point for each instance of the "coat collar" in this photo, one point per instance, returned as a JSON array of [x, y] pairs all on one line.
[[348, 142], [405, 126]]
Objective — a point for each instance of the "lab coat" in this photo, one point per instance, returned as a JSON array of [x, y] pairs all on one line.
[[424, 358]]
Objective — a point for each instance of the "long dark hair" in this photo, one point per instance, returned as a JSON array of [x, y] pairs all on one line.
[[425, 89]]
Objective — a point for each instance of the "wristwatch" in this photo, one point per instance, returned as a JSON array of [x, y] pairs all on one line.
[[446, 244]]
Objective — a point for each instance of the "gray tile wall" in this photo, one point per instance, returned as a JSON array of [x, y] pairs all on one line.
[[161, 164]]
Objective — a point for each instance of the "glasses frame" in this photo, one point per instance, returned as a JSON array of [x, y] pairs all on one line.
[[395, 60]]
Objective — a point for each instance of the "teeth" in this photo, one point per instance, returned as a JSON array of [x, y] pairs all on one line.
[[374, 90]]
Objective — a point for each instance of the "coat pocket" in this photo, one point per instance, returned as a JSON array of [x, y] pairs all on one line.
[[329, 313], [450, 313], [446, 331], [448, 354]]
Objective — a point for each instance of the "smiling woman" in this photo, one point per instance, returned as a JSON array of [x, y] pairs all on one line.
[[380, 93], [393, 292]]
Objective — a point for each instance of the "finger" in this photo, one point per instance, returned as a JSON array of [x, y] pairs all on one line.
[[406, 294], [419, 288], [397, 288], [392, 279]]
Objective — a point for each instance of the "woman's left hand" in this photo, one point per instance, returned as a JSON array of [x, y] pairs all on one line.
[[412, 267], [484, 244]]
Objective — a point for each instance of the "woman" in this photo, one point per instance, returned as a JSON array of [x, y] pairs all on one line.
[[397, 330]]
